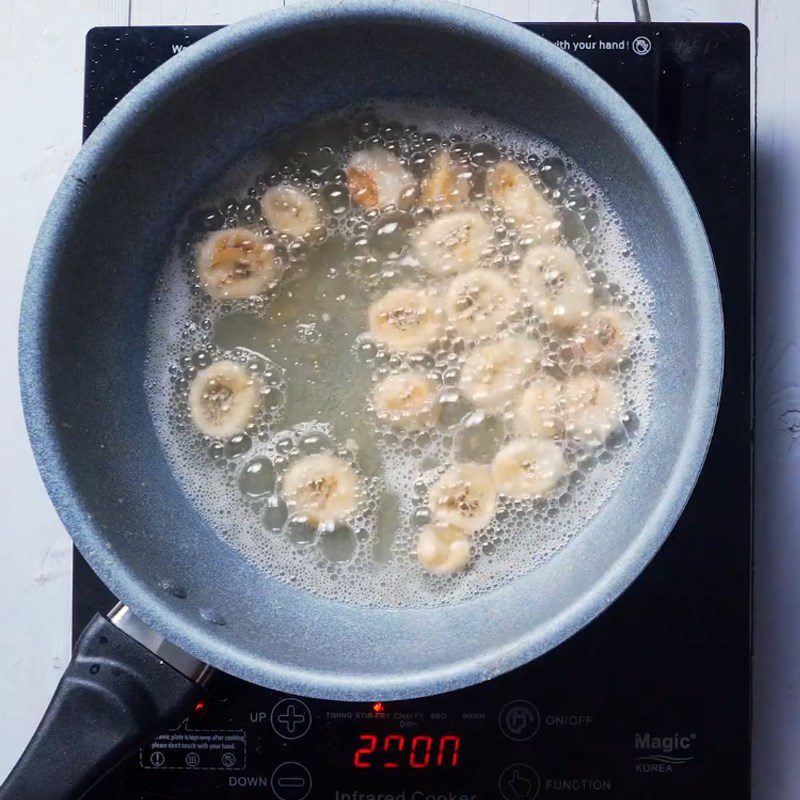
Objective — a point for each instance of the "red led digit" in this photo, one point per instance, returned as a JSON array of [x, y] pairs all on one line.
[[388, 743], [365, 751], [419, 760], [455, 741]]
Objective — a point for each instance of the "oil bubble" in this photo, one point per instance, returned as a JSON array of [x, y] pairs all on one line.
[[552, 171], [271, 397], [484, 155], [452, 408], [389, 235], [284, 443], [257, 478], [479, 438], [366, 348], [315, 442], [300, 530], [337, 199], [275, 514], [202, 359], [338, 545], [630, 422], [216, 450], [238, 445]]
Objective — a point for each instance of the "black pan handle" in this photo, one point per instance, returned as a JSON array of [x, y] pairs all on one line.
[[120, 690]]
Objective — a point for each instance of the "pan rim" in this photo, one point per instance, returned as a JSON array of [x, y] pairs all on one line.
[[146, 601]]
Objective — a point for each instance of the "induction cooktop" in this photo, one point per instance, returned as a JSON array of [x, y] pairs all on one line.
[[652, 699]]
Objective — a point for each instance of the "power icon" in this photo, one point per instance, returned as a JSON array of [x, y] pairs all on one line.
[[519, 720]]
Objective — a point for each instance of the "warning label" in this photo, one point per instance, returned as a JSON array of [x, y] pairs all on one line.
[[187, 749]]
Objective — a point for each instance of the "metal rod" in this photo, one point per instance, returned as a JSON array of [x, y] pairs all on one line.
[[641, 10]]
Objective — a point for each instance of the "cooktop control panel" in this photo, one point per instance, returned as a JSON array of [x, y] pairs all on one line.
[[506, 739], [652, 699]]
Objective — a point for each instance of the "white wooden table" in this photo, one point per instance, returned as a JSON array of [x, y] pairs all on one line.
[[41, 86]]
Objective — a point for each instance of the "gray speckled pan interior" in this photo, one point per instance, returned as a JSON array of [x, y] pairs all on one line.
[[82, 342]]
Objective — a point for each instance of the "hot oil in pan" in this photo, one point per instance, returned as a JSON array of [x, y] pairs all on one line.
[[380, 416]]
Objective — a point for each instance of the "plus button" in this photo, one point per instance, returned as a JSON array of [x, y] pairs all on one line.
[[290, 718]]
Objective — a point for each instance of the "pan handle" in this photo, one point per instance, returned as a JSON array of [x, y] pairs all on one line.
[[641, 10], [124, 685]]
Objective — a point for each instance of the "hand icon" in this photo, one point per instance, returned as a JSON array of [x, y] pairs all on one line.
[[519, 782], [520, 786]]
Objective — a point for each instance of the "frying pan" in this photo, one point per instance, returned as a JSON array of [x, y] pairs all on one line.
[[188, 596]]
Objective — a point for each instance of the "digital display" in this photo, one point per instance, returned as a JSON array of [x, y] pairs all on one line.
[[397, 750]]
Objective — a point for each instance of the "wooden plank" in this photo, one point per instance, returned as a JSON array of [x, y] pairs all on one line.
[[41, 91], [536, 10], [170, 12], [526, 10], [616, 10], [776, 768], [681, 11], [709, 11], [196, 12]]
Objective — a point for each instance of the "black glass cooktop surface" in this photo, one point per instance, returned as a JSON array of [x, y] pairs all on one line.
[[652, 699]]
